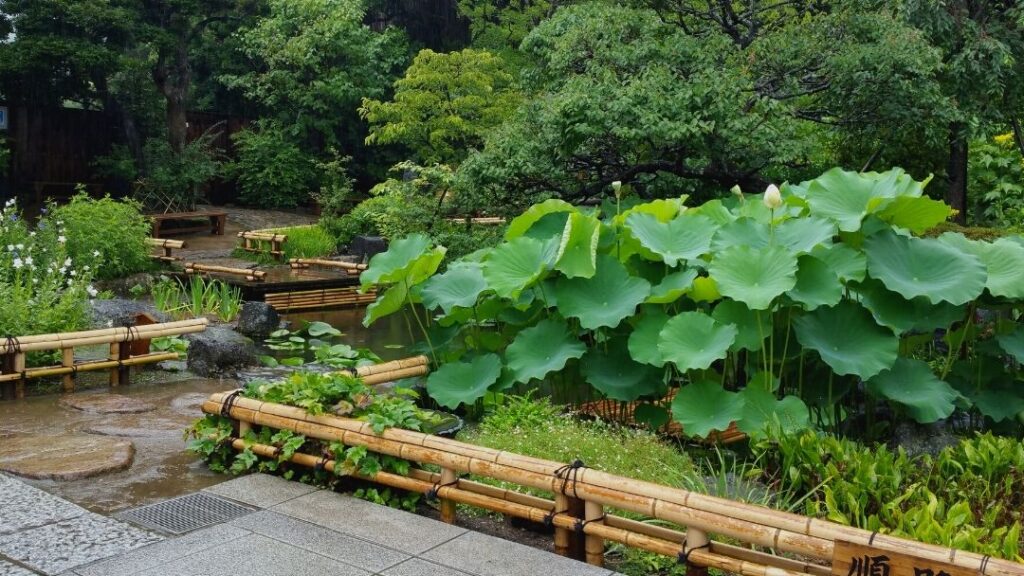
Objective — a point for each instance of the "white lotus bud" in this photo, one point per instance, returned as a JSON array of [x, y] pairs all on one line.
[[772, 197], [617, 188]]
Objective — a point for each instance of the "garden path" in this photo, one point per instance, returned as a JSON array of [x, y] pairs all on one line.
[[276, 528]]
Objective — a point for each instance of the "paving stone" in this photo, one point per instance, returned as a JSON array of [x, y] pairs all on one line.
[[8, 569], [161, 553], [254, 555], [24, 506], [489, 556], [417, 567], [321, 540], [392, 528], [70, 457], [261, 490], [54, 548]]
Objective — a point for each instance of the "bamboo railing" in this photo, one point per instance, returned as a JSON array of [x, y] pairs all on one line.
[[394, 370], [253, 241], [780, 543], [119, 361], [316, 299], [480, 220], [247, 273], [167, 246], [351, 267]]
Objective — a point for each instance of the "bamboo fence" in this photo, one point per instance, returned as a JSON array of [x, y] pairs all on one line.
[[351, 267], [394, 370], [768, 533], [317, 299], [167, 246], [480, 221], [255, 241], [248, 273], [121, 358]]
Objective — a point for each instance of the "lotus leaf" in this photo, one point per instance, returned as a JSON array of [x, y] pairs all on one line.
[[694, 340], [542, 349], [848, 339], [516, 265], [393, 265], [577, 253], [762, 409], [459, 286], [924, 267], [704, 407], [912, 384], [617, 376], [745, 320], [457, 383], [521, 224], [604, 300], [754, 277], [816, 284], [682, 238], [643, 340], [672, 287]]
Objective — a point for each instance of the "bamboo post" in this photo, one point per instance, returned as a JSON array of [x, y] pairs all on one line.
[[695, 540], [68, 361], [448, 477], [7, 367], [594, 545], [19, 368], [562, 535]]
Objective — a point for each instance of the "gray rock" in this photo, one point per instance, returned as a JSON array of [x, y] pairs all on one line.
[[258, 320], [122, 312], [219, 350], [125, 287], [918, 439]]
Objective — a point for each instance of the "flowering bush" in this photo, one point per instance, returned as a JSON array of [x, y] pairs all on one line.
[[42, 289], [110, 231]]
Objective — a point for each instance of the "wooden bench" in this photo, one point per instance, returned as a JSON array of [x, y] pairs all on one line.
[[254, 242], [217, 222], [167, 246]]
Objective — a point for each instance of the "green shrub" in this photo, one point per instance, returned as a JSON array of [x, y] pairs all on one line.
[[996, 182], [970, 496], [271, 170], [175, 181], [106, 234], [43, 288]]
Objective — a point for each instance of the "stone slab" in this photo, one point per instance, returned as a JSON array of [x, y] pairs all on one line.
[[64, 458], [417, 567], [8, 569], [395, 529], [104, 403], [320, 540], [24, 507], [254, 555], [484, 555], [162, 553], [58, 547], [261, 490]]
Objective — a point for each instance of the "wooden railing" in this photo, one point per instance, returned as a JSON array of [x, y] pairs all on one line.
[[128, 347], [773, 543]]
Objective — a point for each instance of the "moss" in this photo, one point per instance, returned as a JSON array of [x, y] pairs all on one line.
[[972, 232]]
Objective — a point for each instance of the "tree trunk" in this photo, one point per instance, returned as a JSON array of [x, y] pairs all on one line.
[[956, 195], [173, 80]]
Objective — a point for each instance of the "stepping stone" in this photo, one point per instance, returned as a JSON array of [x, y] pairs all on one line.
[[64, 457], [59, 547], [106, 404], [144, 426], [190, 404]]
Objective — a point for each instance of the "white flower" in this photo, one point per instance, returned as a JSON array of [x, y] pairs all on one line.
[[96, 253], [772, 197], [73, 273], [9, 203], [18, 263], [67, 261], [617, 188], [61, 239], [10, 247], [32, 233], [86, 267], [20, 246], [62, 270], [110, 323], [28, 260], [69, 281], [92, 291]]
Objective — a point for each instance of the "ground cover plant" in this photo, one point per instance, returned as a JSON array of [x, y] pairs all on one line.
[[303, 242], [197, 297], [735, 302]]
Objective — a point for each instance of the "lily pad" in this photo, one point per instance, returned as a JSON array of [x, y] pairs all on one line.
[[704, 407], [521, 224], [761, 409], [672, 287], [515, 266], [457, 383], [912, 384], [577, 253], [459, 286], [604, 300], [754, 277], [542, 349], [848, 339], [617, 376], [927, 267], [816, 284], [682, 238], [643, 340], [694, 340]]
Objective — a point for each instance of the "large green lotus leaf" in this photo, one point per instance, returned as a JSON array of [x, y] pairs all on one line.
[[762, 409], [743, 232], [604, 300], [643, 340], [682, 238], [577, 253], [663, 209], [521, 224], [749, 336], [848, 339], [389, 302], [459, 383], [617, 376], [1013, 343], [393, 264], [459, 286], [715, 210], [849, 264], [999, 403], [694, 340], [912, 384], [801, 235], [1004, 260], [917, 214], [924, 267], [752, 276], [514, 266], [425, 266], [704, 407], [672, 287], [816, 284], [901, 315], [542, 349], [848, 197]]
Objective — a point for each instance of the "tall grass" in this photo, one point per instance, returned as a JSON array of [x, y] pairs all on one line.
[[303, 242], [197, 298]]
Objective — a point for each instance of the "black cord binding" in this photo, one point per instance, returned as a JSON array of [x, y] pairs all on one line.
[[570, 471], [229, 403], [581, 523], [684, 554], [432, 493], [549, 518]]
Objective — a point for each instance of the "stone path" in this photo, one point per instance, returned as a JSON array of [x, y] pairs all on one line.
[[294, 530]]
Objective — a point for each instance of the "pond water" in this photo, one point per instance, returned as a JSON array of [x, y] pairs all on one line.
[[162, 468]]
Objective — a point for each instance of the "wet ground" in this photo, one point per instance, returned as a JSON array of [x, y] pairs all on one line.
[[161, 468]]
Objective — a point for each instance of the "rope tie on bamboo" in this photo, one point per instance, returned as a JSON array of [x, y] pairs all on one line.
[[432, 493], [581, 524], [13, 345], [321, 464], [229, 403], [570, 471], [871, 539], [984, 564], [684, 554]]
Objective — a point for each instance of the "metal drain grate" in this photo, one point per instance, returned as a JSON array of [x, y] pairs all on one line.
[[185, 513]]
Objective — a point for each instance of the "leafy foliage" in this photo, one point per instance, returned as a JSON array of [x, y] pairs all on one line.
[[107, 234], [271, 170]]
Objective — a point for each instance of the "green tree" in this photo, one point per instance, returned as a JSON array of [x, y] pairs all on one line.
[[444, 105], [503, 24]]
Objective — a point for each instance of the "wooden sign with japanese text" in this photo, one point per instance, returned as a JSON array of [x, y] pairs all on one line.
[[856, 560]]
